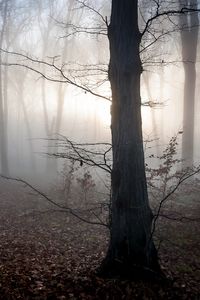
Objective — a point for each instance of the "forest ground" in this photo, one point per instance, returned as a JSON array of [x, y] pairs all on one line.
[[50, 255]]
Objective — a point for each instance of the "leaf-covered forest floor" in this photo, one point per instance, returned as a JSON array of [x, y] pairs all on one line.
[[49, 255]]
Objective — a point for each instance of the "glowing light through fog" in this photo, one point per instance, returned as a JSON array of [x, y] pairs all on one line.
[[89, 108], [103, 111]]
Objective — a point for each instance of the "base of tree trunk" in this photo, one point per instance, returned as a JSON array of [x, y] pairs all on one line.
[[111, 268]]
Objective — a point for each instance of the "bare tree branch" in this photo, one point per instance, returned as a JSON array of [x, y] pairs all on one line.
[[84, 5], [179, 218], [68, 209], [99, 30], [186, 175], [183, 10], [84, 153], [60, 70]]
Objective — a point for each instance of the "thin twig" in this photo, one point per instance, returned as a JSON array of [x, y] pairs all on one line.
[[70, 210]]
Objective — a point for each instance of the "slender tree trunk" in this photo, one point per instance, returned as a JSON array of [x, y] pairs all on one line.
[[3, 133], [28, 127], [3, 103], [189, 38], [62, 88], [153, 115], [131, 251], [188, 115], [161, 114], [51, 164]]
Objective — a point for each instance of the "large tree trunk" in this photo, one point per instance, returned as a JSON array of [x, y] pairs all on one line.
[[131, 250], [189, 38]]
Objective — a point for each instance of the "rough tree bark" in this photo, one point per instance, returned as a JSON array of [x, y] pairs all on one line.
[[131, 250]]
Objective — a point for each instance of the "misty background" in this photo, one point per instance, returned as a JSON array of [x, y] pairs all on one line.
[[71, 37]]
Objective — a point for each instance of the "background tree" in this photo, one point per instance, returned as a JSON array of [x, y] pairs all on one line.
[[189, 24], [3, 92]]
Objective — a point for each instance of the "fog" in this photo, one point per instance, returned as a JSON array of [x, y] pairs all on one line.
[[45, 38]]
